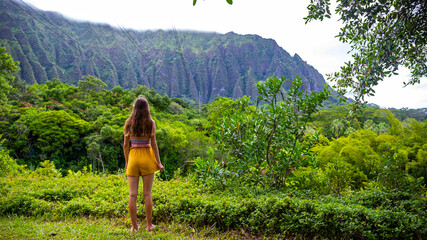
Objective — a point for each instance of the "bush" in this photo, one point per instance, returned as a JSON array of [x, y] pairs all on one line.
[[8, 165], [371, 214], [266, 143], [310, 178]]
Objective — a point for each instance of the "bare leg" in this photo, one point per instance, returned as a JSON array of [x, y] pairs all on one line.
[[133, 194], [147, 185]]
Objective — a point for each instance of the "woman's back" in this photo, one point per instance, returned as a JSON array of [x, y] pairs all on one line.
[[140, 141]]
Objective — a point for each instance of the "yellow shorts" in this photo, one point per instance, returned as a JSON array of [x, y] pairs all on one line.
[[141, 162]]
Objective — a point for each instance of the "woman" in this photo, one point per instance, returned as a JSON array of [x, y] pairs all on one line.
[[143, 158]]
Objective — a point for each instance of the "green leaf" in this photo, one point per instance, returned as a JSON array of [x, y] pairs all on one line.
[[194, 2], [230, 2]]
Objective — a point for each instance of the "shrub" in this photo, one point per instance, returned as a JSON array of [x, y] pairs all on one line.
[[267, 143], [8, 165], [371, 214]]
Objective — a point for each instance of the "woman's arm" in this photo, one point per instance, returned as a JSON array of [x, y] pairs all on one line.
[[126, 148], [156, 149]]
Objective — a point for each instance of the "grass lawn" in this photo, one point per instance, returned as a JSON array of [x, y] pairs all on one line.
[[18, 227]]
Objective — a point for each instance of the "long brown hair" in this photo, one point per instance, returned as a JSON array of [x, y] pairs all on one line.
[[140, 123]]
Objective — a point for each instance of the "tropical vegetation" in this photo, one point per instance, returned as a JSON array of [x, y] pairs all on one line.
[[278, 166]]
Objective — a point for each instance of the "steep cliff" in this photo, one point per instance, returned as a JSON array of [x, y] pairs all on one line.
[[194, 65]]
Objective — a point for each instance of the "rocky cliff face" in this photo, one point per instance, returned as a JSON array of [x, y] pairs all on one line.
[[194, 65]]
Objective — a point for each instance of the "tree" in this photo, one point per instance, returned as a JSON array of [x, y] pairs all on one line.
[[92, 85], [157, 100], [179, 144], [341, 175], [105, 145], [337, 127], [53, 135], [220, 108], [383, 35], [56, 90], [266, 144], [94, 151], [8, 69]]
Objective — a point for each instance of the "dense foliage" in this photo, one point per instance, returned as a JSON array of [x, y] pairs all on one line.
[[79, 126], [266, 142], [287, 144], [370, 214], [8, 69], [280, 166]]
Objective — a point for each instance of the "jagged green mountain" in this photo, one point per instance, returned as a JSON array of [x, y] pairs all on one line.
[[193, 65]]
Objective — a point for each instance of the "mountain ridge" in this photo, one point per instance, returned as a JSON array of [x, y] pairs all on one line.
[[186, 64]]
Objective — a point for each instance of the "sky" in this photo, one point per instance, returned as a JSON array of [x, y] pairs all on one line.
[[281, 20]]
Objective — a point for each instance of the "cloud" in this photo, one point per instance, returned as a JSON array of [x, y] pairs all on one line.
[[391, 93]]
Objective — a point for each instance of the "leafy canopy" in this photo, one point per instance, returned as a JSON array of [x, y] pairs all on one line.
[[383, 35], [266, 143]]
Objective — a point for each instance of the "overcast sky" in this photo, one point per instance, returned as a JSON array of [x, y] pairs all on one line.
[[281, 20]]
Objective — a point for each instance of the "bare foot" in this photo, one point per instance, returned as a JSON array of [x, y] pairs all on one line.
[[150, 228], [135, 229]]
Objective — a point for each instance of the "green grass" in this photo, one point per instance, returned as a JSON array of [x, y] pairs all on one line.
[[84, 206], [19, 227]]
